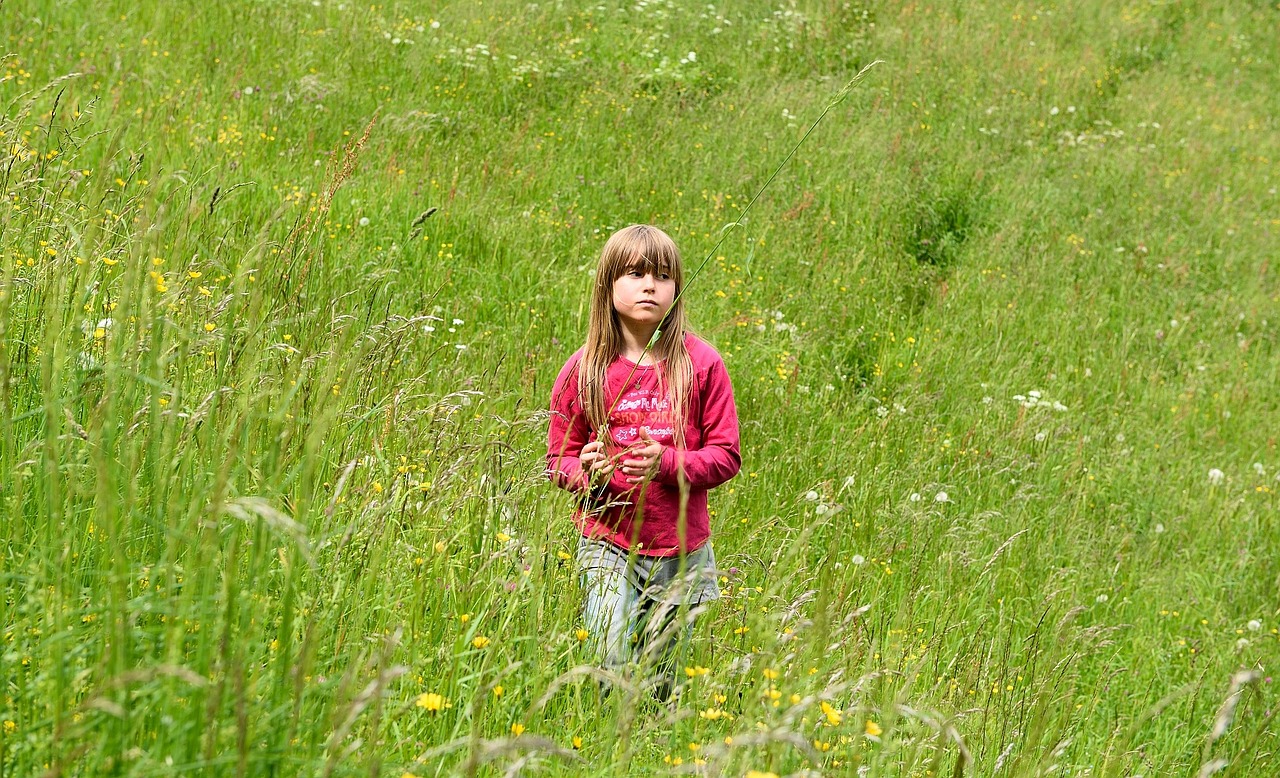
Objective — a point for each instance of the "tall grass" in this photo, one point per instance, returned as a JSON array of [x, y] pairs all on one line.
[[285, 287]]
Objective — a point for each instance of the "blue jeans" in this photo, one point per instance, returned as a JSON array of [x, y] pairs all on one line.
[[639, 610]]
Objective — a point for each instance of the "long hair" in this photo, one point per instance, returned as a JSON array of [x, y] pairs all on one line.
[[643, 246]]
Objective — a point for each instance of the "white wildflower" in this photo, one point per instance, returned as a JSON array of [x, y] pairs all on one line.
[[1216, 476], [941, 497]]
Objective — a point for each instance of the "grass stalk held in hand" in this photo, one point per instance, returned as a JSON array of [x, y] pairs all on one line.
[[836, 99]]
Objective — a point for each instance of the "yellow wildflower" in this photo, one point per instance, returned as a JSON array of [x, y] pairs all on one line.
[[833, 715], [432, 702]]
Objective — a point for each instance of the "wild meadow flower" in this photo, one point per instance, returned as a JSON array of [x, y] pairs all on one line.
[[480, 641], [517, 729], [433, 702], [940, 497], [872, 729], [1216, 476], [832, 714]]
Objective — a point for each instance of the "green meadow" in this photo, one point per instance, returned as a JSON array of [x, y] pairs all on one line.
[[285, 285]]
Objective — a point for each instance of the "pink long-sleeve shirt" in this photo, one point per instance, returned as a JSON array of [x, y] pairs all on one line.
[[646, 517]]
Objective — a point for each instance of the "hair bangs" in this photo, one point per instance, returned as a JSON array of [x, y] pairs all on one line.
[[656, 261], [640, 247]]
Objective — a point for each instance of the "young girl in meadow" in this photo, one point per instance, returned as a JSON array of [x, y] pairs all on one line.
[[640, 434]]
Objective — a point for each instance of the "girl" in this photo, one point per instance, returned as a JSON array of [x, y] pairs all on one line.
[[640, 430]]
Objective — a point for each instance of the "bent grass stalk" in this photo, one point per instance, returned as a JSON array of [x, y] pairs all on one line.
[[836, 99]]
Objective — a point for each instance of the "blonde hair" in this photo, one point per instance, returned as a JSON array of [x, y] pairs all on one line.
[[639, 245]]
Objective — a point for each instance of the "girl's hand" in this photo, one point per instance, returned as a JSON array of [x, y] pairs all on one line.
[[598, 465], [644, 460]]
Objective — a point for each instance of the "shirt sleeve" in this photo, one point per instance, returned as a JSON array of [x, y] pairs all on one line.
[[568, 432], [719, 457]]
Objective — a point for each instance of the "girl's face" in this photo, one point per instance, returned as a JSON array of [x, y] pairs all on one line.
[[642, 295]]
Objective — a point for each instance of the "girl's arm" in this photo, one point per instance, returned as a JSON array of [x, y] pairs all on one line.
[[568, 433], [571, 456], [719, 458]]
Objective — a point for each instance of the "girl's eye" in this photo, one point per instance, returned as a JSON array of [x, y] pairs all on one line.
[[664, 276]]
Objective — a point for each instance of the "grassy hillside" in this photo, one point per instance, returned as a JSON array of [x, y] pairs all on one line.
[[285, 286]]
